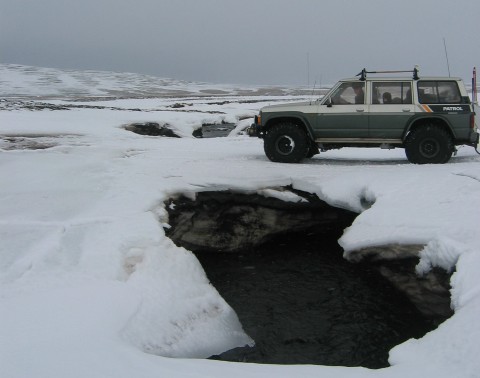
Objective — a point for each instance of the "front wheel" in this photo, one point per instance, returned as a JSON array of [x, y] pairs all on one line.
[[286, 143], [429, 144]]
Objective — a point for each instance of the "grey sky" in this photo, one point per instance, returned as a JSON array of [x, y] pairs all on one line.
[[243, 41]]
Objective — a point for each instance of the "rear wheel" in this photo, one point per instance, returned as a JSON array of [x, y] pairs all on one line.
[[286, 143], [429, 144]]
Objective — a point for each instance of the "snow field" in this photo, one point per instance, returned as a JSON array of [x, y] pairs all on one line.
[[90, 285]]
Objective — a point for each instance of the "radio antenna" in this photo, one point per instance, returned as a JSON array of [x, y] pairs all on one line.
[[474, 86], [313, 90], [308, 69], [446, 56]]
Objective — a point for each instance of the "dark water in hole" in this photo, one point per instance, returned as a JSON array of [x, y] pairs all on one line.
[[303, 303]]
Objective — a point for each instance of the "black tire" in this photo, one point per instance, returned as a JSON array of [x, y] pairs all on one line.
[[429, 144], [286, 143]]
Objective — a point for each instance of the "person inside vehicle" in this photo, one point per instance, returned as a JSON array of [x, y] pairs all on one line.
[[387, 98], [408, 97], [359, 94]]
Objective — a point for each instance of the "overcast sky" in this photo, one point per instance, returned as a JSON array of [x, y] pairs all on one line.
[[243, 41]]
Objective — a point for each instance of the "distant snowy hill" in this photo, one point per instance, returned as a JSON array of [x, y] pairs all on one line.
[[27, 81]]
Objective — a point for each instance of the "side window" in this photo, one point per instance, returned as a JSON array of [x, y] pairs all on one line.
[[349, 93], [397, 92], [438, 92]]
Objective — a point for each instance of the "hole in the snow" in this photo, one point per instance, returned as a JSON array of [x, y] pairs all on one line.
[[26, 143], [214, 130], [152, 129], [207, 130], [293, 292]]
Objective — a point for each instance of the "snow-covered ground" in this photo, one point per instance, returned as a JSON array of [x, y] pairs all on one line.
[[91, 287]]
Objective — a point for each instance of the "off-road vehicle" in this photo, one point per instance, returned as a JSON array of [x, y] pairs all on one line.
[[426, 116]]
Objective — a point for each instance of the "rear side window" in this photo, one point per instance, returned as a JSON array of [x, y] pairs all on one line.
[[438, 92], [397, 92]]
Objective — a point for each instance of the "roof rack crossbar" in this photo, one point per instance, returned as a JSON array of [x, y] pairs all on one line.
[[363, 73]]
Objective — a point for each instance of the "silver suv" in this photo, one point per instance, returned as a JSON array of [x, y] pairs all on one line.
[[426, 116]]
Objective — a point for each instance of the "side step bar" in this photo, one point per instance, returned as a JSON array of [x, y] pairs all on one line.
[[359, 140]]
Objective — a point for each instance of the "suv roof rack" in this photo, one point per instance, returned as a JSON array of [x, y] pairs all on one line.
[[363, 73]]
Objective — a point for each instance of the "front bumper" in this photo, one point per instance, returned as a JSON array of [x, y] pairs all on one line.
[[254, 130]]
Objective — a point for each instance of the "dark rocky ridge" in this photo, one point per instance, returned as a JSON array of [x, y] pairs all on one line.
[[229, 222]]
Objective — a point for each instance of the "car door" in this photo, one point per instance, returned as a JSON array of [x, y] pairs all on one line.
[[390, 109], [343, 114]]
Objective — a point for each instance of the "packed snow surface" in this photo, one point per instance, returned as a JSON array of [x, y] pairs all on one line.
[[90, 285]]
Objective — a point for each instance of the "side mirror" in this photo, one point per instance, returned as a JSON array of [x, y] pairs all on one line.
[[329, 102]]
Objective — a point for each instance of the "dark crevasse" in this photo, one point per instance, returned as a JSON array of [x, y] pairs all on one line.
[[303, 303]]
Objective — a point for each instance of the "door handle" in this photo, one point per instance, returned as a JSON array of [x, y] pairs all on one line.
[[405, 110], [360, 110]]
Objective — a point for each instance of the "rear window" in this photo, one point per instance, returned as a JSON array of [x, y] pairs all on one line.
[[439, 92]]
